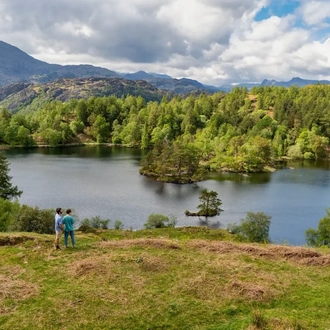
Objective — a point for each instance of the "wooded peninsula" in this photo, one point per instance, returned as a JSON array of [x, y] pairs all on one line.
[[240, 131]]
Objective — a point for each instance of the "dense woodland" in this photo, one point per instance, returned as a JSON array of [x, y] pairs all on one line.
[[241, 131]]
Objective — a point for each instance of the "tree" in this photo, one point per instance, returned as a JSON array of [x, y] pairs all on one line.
[[96, 222], [8, 210], [33, 219], [321, 235], [209, 206], [210, 203], [160, 221], [253, 228], [7, 190]]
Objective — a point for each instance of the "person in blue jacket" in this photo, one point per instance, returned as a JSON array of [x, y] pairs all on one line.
[[58, 227], [68, 222]]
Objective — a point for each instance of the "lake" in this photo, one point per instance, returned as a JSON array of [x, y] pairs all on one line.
[[105, 181]]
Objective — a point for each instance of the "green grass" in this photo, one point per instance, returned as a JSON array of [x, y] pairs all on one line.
[[172, 278]]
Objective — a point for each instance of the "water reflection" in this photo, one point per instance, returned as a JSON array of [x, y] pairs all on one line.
[[252, 178], [207, 222], [105, 181]]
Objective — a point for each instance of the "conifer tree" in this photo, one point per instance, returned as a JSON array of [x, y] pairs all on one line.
[[7, 190]]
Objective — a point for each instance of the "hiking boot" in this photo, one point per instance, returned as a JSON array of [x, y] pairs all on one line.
[[58, 247]]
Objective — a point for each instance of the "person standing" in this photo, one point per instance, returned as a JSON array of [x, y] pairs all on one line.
[[58, 227], [68, 222]]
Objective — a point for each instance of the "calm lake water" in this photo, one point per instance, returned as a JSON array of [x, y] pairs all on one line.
[[105, 181]]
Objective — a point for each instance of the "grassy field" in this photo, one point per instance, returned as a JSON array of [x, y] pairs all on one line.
[[182, 278]]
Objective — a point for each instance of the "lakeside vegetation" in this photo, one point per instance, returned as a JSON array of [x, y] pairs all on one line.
[[240, 131], [158, 278], [168, 278]]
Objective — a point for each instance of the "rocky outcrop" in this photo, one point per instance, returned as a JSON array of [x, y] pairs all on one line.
[[27, 96]]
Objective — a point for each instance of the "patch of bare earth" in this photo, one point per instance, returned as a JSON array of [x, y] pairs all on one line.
[[297, 254], [14, 240]]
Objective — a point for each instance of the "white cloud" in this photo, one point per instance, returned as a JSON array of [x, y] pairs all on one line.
[[213, 41], [315, 12]]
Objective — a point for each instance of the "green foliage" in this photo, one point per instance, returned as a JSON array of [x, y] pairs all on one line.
[[33, 219], [237, 131], [96, 222], [174, 162], [159, 221], [210, 203], [7, 190], [8, 211], [253, 228], [118, 225], [321, 235]]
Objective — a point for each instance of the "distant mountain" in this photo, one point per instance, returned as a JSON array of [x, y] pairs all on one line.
[[17, 66], [167, 83], [294, 82], [31, 96]]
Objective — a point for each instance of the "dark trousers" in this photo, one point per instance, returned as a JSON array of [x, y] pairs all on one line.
[[66, 235]]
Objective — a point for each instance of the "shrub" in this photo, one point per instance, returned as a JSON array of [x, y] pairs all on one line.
[[33, 219], [8, 210], [253, 228], [159, 221], [321, 235], [87, 229], [309, 155], [118, 225], [96, 222], [295, 152]]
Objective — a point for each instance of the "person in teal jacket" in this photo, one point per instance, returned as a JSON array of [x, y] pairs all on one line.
[[68, 222]]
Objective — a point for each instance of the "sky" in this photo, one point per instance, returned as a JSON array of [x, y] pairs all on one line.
[[213, 41]]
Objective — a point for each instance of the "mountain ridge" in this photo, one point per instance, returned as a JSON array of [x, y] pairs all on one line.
[[18, 69], [18, 66], [31, 96]]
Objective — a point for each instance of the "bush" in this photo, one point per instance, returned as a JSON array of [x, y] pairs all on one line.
[[8, 210], [87, 229], [309, 155], [118, 225], [295, 152], [159, 221], [96, 222], [32, 219], [321, 235], [253, 228]]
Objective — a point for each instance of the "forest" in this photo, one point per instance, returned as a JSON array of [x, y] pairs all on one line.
[[240, 131]]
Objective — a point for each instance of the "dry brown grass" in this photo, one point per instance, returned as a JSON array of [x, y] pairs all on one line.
[[16, 289], [275, 252], [12, 270], [99, 266], [151, 263], [142, 242], [248, 291], [273, 324]]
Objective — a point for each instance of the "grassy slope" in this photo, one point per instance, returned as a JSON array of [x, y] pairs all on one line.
[[184, 278]]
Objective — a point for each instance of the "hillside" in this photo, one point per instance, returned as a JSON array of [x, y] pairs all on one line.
[[17, 66], [176, 86], [183, 278], [30, 96]]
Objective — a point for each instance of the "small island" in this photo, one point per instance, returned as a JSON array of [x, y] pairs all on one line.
[[209, 205]]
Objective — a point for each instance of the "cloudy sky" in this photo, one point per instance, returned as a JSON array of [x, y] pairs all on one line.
[[213, 41]]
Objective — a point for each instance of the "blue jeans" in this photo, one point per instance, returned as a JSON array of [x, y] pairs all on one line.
[[66, 235]]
